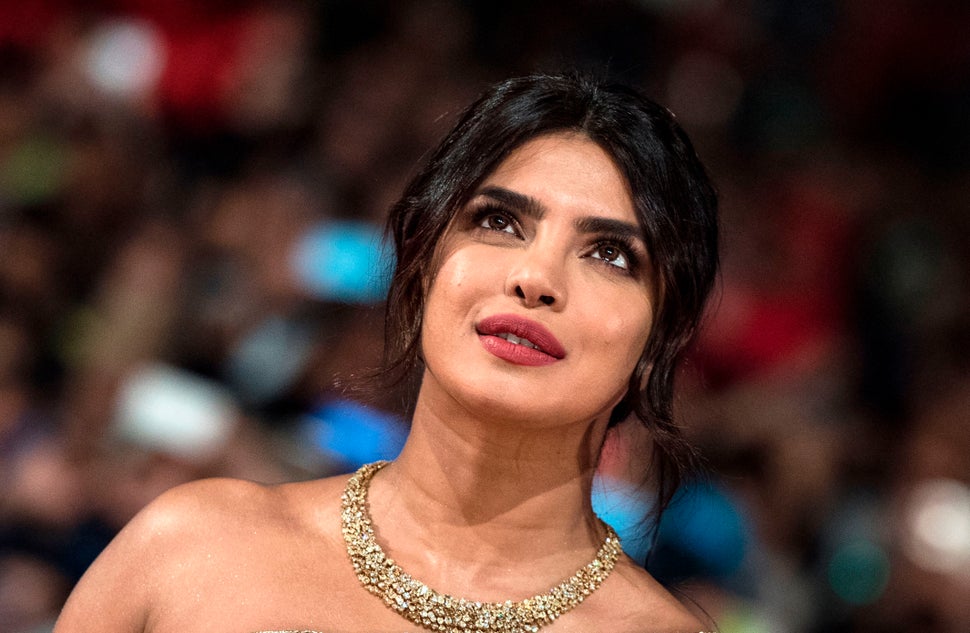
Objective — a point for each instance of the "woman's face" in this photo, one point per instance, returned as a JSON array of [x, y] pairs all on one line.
[[542, 301]]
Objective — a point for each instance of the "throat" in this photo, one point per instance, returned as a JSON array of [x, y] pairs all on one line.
[[483, 491], [455, 526], [501, 592]]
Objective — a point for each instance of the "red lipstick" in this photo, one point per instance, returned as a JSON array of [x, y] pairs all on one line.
[[519, 340]]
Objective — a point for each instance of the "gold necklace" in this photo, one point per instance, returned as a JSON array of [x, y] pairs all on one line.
[[426, 607]]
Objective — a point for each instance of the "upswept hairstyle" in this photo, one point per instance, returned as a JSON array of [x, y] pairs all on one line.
[[674, 200]]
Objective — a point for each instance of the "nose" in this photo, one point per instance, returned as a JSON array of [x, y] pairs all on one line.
[[537, 279]]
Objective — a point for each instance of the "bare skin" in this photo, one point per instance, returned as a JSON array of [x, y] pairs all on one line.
[[489, 499]]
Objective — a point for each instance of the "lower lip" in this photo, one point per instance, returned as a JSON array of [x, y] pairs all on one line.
[[513, 353]]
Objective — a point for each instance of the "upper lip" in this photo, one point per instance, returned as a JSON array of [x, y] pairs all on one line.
[[534, 332]]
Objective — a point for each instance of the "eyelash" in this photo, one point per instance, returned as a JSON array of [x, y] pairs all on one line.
[[625, 248], [490, 209]]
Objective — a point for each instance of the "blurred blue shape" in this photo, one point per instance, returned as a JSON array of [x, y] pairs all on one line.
[[354, 434], [702, 534], [343, 261], [266, 361], [625, 507]]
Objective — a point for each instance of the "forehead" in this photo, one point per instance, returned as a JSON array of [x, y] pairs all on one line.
[[567, 171]]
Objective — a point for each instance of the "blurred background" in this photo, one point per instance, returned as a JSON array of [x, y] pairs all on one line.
[[191, 200]]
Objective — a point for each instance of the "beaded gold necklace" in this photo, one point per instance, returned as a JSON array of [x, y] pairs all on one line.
[[426, 607]]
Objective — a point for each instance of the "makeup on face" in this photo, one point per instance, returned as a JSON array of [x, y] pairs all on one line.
[[541, 301], [519, 340], [616, 242]]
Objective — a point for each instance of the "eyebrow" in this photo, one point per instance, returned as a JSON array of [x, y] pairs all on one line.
[[518, 201], [591, 224], [610, 226]]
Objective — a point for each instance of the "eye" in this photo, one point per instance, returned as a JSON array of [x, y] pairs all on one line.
[[497, 221], [611, 254]]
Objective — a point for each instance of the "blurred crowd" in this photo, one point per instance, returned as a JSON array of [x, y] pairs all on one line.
[[191, 269]]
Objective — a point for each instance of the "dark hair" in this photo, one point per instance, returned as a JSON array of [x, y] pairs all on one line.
[[674, 201]]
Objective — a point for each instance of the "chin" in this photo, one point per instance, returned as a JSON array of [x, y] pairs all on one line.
[[530, 408], [521, 398]]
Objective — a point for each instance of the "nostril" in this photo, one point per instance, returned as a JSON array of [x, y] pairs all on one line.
[[543, 299]]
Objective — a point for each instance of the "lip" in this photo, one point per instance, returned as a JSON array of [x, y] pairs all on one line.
[[549, 349]]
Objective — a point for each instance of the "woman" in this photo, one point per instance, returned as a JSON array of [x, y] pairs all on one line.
[[554, 256]]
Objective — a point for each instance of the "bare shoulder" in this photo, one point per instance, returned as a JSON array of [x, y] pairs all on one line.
[[208, 511], [208, 516], [648, 607], [224, 504], [204, 511], [192, 536]]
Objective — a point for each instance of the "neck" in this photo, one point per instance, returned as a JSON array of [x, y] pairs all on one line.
[[476, 493]]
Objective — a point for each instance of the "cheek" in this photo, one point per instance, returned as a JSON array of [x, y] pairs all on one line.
[[454, 286], [469, 269], [625, 333], [452, 277]]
